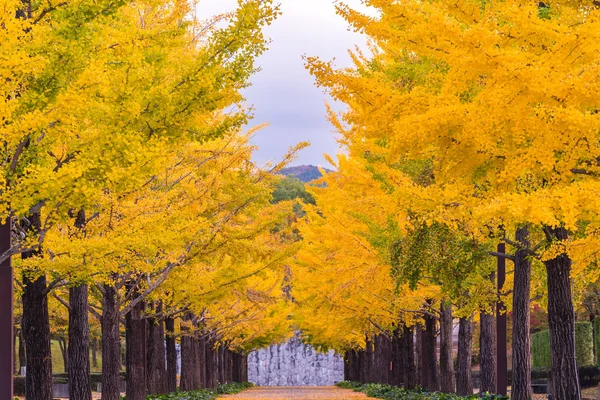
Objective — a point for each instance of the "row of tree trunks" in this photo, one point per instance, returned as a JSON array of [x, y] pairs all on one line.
[[389, 360], [203, 364]]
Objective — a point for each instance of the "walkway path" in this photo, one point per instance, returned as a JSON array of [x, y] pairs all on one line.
[[297, 393]]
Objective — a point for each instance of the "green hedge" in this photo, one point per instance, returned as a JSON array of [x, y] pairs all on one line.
[[388, 392], [204, 394], [584, 336]]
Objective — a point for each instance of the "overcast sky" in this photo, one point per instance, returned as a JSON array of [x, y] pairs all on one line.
[[284, 93]]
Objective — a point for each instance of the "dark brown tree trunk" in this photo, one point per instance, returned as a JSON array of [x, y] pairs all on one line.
[[561, 321], [464, 381], [419, 351], [187, 356], [201, 360], [38, 380], [429, 371], [171, 356], [447, 384], [487, 346], [410, 373], [398, 358], [197, 376], [157, 373], [79, 344], [521, 344], [136, 351], [111, 344], [36, 324], [211, 364], [22, 352]]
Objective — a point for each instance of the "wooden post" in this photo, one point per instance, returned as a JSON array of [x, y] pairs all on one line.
[[501, 357], [6, 316]]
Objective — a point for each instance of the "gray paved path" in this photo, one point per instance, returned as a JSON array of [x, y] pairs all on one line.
[[297, 393]]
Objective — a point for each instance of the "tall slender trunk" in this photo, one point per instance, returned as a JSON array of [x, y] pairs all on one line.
[[171, 355], [410, 373], [111, 344], [201, 360], [447, 384], [521, 342], [429, 371], [211, 364], [157, 373], [196, 372], [187, 356], [487, 346], [464, 381], [22, 352], [79, 344], [38, 380], [419, 351], [561, 321], [136, 351], [398, 361], [36, 321]]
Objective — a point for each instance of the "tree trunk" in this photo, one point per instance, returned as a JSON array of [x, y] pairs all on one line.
[[111, 344], [38, 380], [22, 351], [487, 345], [136, 351], [410, 373], [157, 373], [521, 343], [196, 372], [187, 357], [201, 360], [95, 352], [171, 356], [561, 321], [419, 352], [446, 360], [79, 344], [464, 382], [429, 372]]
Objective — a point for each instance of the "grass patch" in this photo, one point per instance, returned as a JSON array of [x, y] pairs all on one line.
[[388, 392]]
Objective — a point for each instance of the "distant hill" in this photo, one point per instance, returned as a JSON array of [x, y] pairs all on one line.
[[304, 173]]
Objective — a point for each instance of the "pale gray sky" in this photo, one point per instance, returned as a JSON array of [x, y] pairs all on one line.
[[284, 93]]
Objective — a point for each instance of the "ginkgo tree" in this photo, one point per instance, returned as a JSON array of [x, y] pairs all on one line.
[[95, 96], [500, 97]]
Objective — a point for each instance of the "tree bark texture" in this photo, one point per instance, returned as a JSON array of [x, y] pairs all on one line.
[[156, 373], [447, 384], [487, 346], [36, 322], [521, 342], [429, 371], [171, 356], [136, 351], [188, 362], [79, 344], [561, 321], [464, 380], [410, 373], [111, 344]]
